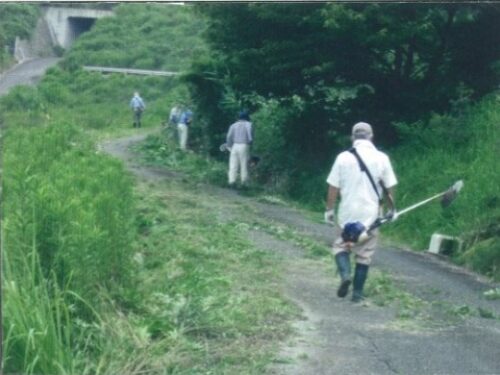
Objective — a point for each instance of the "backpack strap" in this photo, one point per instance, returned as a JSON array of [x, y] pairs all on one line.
[[364, 168]]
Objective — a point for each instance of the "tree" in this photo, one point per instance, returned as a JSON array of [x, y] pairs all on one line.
[[381, 63], [411, 58], [16, 19]]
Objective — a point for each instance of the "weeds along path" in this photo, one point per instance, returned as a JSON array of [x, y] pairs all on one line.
[[425, 317]]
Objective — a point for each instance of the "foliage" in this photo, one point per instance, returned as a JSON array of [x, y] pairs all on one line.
[[73, 205], [162, 150], [38, 333], [382, 63], [425, 165], [413, 56], [143, 36], [208, 301], [16, 20]]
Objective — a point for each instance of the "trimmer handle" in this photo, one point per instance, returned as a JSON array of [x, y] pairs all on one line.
[[380, 220]]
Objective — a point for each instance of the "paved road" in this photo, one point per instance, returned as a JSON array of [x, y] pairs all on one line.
[[27, 73], [336, 337]]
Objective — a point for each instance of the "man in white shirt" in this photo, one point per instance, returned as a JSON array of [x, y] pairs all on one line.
[[359, 202]]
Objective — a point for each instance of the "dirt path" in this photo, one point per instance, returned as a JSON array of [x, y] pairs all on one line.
[[338, 337]]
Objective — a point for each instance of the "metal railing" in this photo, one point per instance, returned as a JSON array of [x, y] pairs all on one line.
[[103, 69]]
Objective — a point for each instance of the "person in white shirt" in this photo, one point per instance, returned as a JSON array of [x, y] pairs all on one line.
[[359, 202], [238, 139]]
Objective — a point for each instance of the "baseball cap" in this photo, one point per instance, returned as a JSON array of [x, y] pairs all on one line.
[[243, 115], [362, 128]]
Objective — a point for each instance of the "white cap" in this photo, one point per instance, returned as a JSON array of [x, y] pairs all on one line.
[[362, 129]]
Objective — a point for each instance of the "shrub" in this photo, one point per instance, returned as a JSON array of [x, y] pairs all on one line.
[[436, 155]]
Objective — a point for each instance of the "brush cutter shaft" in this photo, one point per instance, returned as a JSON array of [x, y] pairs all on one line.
[[407, 209], [356, 233], [450, 194]]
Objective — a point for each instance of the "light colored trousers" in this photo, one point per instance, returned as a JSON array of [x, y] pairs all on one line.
[[183, 135], [238, 160], [363, 252]]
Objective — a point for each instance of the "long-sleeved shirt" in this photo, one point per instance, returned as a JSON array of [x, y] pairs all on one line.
[[137, 103], [240, 132]]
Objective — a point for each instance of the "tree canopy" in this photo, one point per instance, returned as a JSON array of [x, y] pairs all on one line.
[[383, 63]]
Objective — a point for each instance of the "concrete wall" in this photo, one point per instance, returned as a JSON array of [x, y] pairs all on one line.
[[57, 27], [39, 45], [67, 24]]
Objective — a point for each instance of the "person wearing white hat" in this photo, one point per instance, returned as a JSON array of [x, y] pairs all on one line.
[[359, 177]]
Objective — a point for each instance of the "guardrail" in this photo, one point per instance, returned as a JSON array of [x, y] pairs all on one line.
[[103, 69]]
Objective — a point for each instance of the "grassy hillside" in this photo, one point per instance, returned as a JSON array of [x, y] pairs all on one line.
[[167, 36], [436, 154], [144, 36]]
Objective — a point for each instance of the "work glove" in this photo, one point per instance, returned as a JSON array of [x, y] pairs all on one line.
[[392, 215], [330, 216]]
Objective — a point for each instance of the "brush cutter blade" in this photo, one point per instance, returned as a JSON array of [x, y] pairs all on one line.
[[450, 195]]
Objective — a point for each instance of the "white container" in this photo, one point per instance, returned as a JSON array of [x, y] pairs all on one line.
[[437, 240]]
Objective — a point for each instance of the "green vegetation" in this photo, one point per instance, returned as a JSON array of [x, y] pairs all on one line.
[[67, 234], [16, 19], [404, 68], [436, 154], [142, 36], [103, 275], [73, 206]]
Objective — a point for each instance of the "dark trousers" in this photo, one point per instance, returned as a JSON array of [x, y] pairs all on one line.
[[137, 118]]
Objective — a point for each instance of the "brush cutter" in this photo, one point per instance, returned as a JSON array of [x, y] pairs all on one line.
[[358, 233]]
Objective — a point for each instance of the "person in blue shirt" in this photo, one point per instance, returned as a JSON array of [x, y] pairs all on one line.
[[138, 106], [182, 127]]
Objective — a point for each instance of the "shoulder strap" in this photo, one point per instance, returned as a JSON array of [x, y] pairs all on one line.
[[363, 168]]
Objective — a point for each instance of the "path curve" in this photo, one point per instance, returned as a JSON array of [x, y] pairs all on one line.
[[338, 337]]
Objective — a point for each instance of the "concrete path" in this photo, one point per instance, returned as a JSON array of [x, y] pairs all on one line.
[[26, 73]]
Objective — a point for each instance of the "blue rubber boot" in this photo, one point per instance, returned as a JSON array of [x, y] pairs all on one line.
[[344, 267], [360, 274]]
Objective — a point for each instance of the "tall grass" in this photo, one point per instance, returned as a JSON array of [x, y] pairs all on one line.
[[437, 154], [67, 232], [38, 333], [76, 205]]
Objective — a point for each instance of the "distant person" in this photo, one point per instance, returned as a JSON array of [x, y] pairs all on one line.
[[360, 199], [138, 106], [239, 139], [175, 115], [173, 120], [185, 121]]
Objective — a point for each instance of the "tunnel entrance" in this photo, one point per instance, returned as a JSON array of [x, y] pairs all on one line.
[[78, 26]]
